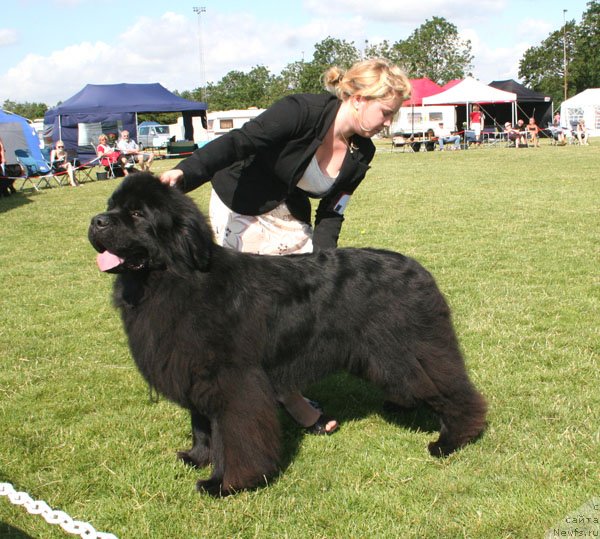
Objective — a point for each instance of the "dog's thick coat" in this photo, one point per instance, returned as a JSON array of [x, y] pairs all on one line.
[[223, 334]]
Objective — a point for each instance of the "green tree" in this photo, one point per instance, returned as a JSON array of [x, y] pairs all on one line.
[[335, 52], [584, 69], [379, 50], [238, 90], [329, 52], [542, 67], [27, 110], [434, 50]]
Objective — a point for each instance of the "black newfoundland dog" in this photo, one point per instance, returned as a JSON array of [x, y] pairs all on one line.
[[223, 334]]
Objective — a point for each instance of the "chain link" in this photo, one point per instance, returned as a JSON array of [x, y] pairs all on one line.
[[39, 507]]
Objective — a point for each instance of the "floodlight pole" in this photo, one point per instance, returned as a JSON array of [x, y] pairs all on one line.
[[199, 10], [565, 52]]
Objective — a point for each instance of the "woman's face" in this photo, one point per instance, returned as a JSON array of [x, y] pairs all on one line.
[[374, 114]]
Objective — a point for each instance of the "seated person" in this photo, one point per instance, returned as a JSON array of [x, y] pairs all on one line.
[[521, 128], [430, 140], [130, 151], [581, 132], [532, 131], [59, 162], [512, 134], [108, 155], [445, 136], [558, 132]]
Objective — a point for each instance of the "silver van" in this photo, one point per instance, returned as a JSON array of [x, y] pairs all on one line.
[[153, 136]]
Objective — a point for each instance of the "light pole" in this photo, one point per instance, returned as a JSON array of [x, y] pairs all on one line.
[[199, 10], [565, 51]]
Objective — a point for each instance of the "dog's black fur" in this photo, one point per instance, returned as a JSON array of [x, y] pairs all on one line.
[[223, 334]]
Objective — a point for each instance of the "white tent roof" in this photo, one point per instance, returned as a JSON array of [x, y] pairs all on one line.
[[591, 96], [470, 90], [584, 105]]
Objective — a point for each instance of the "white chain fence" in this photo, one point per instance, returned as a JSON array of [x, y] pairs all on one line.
[[83, 529]]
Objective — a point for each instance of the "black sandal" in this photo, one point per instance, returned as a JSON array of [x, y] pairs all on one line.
[[319, 428]]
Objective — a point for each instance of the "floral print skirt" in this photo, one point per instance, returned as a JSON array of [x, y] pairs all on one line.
[[273, 233]]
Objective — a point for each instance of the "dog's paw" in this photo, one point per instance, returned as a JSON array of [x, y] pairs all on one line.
[[440, 450], [189, 459], [213, 487]]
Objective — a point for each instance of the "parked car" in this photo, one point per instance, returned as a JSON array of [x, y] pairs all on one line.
[[153, 136]]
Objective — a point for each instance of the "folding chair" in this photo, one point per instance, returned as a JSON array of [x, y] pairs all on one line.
[[36, 172], [60, 176], [84, 170]]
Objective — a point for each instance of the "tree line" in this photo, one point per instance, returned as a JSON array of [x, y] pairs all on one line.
[[434, 50], [543, 67]]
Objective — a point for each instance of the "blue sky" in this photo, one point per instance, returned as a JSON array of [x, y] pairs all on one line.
[[50, 49]]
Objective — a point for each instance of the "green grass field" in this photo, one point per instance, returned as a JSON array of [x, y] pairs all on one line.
[[512, 237]]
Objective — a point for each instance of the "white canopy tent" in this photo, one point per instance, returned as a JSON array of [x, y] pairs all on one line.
[[584, 105], [469, 91]]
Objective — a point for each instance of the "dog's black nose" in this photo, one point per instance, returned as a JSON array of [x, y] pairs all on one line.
[[100, 221]]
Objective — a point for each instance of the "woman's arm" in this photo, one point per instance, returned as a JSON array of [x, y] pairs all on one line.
[[280, 123]]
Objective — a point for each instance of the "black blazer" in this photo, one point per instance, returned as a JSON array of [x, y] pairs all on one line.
[[255, 168]]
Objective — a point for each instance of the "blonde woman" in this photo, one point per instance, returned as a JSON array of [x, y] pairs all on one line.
[[59, 161], [305, 146]]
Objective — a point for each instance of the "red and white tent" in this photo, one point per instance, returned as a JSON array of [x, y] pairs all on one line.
[[421, 88], [470, 91]]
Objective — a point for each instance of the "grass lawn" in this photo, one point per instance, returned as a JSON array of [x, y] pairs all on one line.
[[512, 237]]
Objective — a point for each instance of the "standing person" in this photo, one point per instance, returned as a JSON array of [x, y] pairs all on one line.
[[59, 161], [476, 121], [2, 158], [6, 182], [304, 146], [130, 150]]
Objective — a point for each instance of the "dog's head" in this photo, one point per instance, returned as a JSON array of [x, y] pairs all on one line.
[[148, 226]]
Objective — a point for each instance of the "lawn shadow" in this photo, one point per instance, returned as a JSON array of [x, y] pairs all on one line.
[[347, 398], [14, 200], [9, 532]]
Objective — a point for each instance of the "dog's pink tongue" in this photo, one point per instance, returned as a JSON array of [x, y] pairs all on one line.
[[107, 261]]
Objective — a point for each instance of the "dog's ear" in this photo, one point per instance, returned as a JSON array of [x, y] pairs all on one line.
[[195, 241]]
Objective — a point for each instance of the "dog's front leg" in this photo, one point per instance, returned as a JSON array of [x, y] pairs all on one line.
[[245, 437], [199, 454]]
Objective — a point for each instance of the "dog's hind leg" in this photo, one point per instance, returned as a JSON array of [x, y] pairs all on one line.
[[446, 389], [245, 436], [462, 415], [199, 454], [462, 409]]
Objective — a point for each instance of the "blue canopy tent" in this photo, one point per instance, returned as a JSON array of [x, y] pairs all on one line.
[[18, 134], [110, 108]]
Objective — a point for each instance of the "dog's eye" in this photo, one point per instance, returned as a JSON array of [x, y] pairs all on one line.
[[136, 213]]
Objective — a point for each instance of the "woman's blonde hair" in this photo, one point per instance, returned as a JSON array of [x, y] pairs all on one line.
[[375, 78]]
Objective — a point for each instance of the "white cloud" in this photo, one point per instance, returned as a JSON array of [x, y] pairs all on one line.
[[534, 30], [150, 51], [167, 49], [411, 15], [8, 36]]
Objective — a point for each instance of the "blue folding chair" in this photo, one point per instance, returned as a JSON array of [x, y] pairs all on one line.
[[36, 172]]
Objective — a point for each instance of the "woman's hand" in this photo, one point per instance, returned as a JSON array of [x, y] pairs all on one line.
[[171, 177]]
